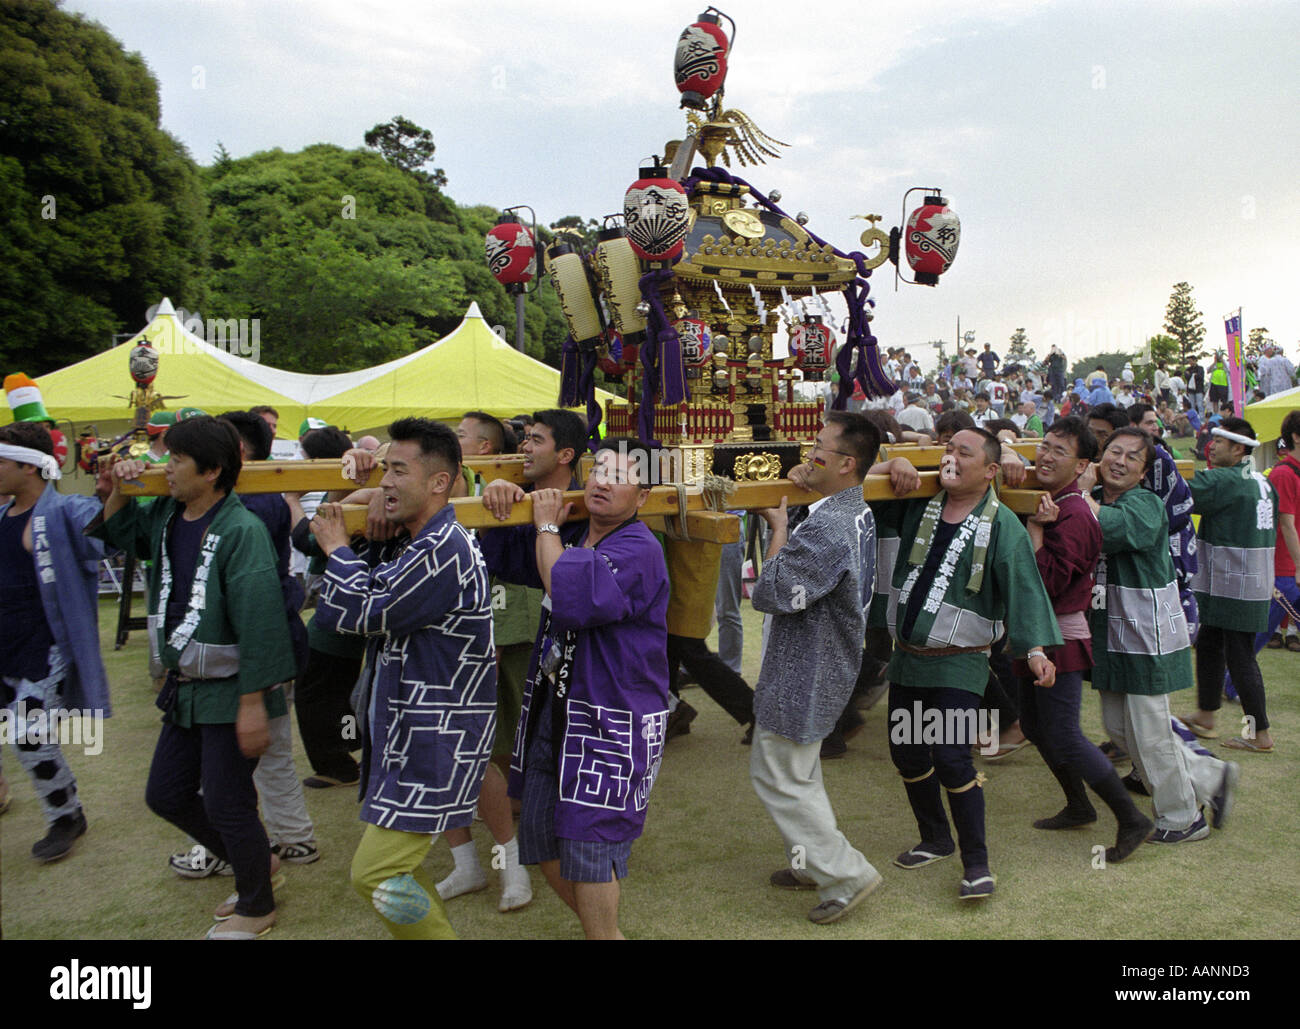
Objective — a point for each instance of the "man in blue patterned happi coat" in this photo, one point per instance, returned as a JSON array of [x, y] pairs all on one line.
[[429, 706]]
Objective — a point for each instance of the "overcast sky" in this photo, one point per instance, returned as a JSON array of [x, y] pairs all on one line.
[[1097, 153]]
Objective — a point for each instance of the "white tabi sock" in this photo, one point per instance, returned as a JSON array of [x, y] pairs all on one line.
[[516, 886], [468, 875]]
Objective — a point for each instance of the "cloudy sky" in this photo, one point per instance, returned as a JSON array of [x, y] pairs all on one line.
[[1097, 152]]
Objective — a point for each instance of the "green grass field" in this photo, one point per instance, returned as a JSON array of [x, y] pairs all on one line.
[[700, 870]]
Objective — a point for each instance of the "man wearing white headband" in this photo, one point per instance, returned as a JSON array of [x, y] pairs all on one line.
[[49, 651], [1234, 583]]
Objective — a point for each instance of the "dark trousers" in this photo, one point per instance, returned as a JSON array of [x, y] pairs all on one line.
[[1219, 649], [927, 766], [1050, 719], [727, 689], [1001, 691], [322, 698], [224, 818]]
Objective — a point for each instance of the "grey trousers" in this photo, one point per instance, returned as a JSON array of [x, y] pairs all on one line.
[[726, 606], [787, 777], [1179, 778], [284, 807]]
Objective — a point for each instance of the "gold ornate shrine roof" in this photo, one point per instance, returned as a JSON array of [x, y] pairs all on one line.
[[738, 245]]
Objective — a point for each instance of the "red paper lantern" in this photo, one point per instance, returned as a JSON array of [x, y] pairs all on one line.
[[931, 238], [657, 215], [696, 340], [700, 64], [511, 252], [811, 344]]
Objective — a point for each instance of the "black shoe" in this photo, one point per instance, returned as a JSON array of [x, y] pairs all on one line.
[[748, 739], [679, 721], [850, 723], [1078, 810], [1134, 784], [325, 782], [833, 746], [58, 841], [1112, 753], [1128, 839], [1066, 819], [1221, 804]]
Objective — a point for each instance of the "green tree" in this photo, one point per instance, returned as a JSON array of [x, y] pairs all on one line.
[[1020, 352], [405, 145], [335, 252], [1183, 322], [1158, 348], [101, 212], [221, 160], [578, 231], [1112, 361]]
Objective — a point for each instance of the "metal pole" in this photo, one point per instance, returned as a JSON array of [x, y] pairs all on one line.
[[519, 322]]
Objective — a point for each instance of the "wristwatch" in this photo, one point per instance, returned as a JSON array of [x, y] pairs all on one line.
[[549, 527]]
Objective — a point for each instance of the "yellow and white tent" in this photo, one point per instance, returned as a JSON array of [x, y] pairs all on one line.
[[469, 369], [1266, 416], [96, 390]]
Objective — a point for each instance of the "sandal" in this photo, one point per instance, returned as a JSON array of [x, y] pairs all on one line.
[[226, 909], [1006, 750], [1203, 732], [220, 932], [1241, 743]]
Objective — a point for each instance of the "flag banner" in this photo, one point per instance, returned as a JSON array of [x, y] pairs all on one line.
[[1236, 368]]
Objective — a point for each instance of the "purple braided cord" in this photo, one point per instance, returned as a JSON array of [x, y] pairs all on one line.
[[662, 343]]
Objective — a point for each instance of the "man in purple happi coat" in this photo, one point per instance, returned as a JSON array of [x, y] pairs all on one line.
[[596, 702]]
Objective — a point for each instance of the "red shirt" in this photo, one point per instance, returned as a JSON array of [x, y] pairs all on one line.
[[1286, 483], [1067, 563]]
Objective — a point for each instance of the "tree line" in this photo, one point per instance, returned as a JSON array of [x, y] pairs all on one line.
[[348, 257]]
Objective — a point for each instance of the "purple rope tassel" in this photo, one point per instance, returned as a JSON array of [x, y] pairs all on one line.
[[570, 372], [587, 388], [578, 384], [663, 375]]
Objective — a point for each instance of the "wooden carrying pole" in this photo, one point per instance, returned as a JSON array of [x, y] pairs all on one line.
[[701, 523]]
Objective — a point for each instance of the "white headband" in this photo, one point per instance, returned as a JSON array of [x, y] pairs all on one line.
[[1245, 441], [45, 462]]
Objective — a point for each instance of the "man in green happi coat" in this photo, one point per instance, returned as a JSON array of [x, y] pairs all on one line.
[[1140, 647], [968, 576], [1234, 581]]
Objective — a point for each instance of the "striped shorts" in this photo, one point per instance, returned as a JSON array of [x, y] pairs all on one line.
[[581, 861]]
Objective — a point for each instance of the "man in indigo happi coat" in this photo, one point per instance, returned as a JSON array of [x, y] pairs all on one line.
[[429, 705], [49, 657]]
